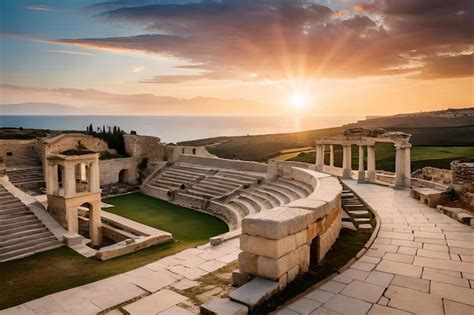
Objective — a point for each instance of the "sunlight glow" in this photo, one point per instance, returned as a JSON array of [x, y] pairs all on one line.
[[298, 100]]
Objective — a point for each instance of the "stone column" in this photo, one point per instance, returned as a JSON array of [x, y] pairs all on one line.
[[51, 179], [319, 158], [346, 161], [83, 176], [331, 155], [95, 224], [71, 220], [399, 166], [408, 166], [361, 173], [371, 163], [94, 177], [69, 180]]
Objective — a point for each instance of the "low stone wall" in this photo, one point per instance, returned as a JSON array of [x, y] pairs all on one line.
[[433, 174], [281, 243], [283, 168], [173, 152], [110, 170], [463, 181], [245, 166]]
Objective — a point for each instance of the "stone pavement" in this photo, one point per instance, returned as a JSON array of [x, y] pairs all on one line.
[[152, 287], [421, 262]]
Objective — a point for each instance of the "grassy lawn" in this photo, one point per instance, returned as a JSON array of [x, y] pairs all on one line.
[[60, 269], [421, 156]]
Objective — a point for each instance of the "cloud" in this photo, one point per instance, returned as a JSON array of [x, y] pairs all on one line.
[[286, 39], [137, 68], [67, 52], [39, 8]]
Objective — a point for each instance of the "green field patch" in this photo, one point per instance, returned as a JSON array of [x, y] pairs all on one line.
[[62, 268]]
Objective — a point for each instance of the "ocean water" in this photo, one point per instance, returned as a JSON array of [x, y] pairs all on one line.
[[182, 128]]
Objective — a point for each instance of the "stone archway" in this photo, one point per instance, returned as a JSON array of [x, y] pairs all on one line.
[[123, 176]]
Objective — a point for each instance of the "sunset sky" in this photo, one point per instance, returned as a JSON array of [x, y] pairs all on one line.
[[252, 57]]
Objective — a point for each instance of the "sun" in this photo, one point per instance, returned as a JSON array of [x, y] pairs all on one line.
[[298, 100]]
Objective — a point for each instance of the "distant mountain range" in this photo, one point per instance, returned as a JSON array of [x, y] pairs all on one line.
[[39, 109]]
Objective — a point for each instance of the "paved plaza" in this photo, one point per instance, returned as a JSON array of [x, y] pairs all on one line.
[[421, 262]]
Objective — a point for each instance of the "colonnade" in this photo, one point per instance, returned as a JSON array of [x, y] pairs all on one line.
[[402, 161]]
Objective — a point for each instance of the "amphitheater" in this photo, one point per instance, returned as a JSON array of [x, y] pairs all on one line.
[[283, 218]]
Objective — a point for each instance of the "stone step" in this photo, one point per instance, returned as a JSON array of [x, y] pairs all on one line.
[[271, 199], [192, 169], [359, 214], [202, 194], [354, 207], [281, 196], [241, 208], [297, 190], [221, 189], [27, 232], [222, 181], [265, 204], [167, 182], [288, 192], [247, 204], [13, 210], [176, 179], [176, 172], [166, 187], [233, 180], [27, 217], [277, 198], [35, 240], [239, 177], [210, 192], [28, 251], [14, 215], [20, 227], [361, 220], [308, 189], [252, 202]]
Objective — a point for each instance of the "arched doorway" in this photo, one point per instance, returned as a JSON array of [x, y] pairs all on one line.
[[123, 176]]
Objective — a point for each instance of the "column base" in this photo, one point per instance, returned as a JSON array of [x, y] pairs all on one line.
[[346, 173], [318, 168], [361, 177], [371, 176]]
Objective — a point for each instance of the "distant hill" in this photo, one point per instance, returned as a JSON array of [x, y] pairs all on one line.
[[38, 109], [453, 127]]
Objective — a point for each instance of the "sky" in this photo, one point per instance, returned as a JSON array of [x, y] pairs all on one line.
[[238, 57]]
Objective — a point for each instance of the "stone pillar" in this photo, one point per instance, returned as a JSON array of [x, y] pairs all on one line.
[[407, 166], [361, 173], [71, 220], [331, 155], [346, 161], [94, 177], [83, 176], [51, 179], [399, 166], [371, 163], [95, 224], [69, 180], [319, 158]]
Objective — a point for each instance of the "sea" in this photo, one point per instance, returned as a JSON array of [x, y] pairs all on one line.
[[173, 129]]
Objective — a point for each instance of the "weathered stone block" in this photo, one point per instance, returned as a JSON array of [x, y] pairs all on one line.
[[240, 278], [223, 306], [254, 292], [278, 223], [248, 263], [274, 268], [292, 273], [272, 248]]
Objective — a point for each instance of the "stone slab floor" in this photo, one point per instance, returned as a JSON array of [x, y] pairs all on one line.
[[422, 262], [151, 289]]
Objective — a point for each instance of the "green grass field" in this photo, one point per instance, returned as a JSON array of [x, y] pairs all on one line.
[[60, 269]]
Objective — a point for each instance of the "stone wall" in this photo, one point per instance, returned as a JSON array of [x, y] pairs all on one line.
[[13, 152], [110, 170], [245, 166], [173, 152], [437, 175], [463, 181], [144, 146], [283, 168], [281, 243]]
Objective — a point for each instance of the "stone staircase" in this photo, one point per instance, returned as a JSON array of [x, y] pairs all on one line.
[[356, 211], [25, 170], [21, 233]]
